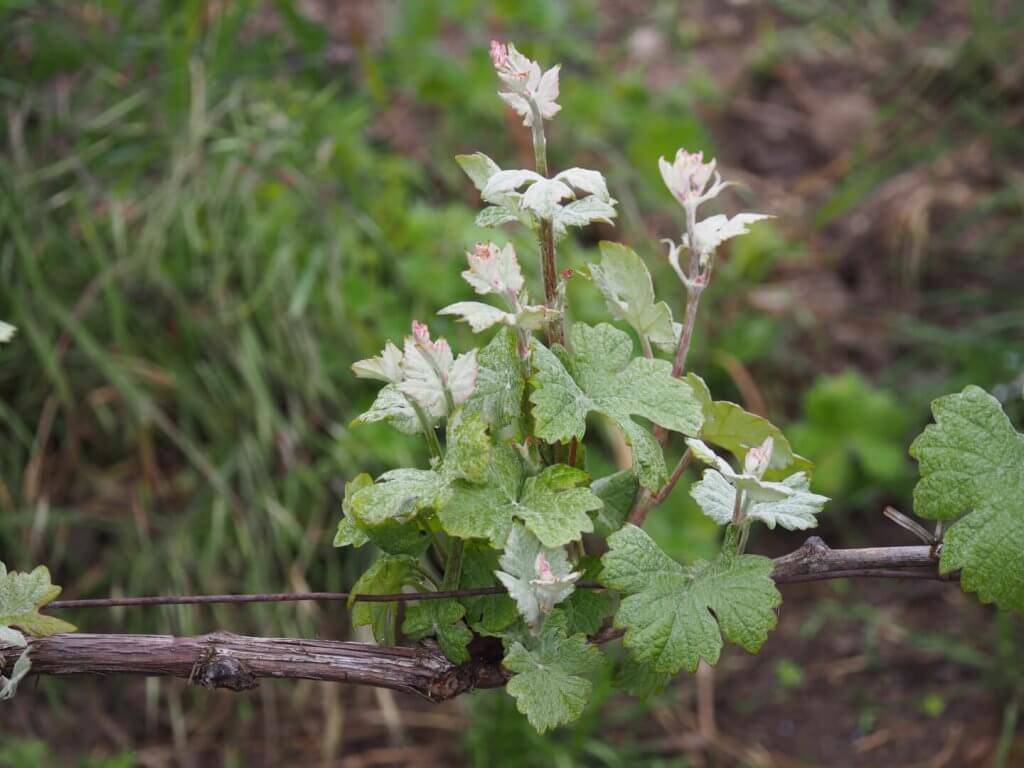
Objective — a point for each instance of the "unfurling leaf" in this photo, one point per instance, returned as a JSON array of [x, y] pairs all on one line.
[[526, 83], [754, 488], [796, 512], [715, 230], [498, 395], [675, 615], [606, 380], [972, 477], [432, 377], [551, 685], [537, 577], [7, 332]]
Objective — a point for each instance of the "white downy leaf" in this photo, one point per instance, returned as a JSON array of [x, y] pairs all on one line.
[[537, 577], [797, 512], [504, 182], [7, 332], [715, 230], [755, 488], [543, 197], [385, 367], [585, 180], [479, 316], [494, 270], [479, 167]]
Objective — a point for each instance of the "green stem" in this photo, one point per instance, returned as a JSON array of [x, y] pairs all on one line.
[[453, 565], [433, 444], [549, 268]]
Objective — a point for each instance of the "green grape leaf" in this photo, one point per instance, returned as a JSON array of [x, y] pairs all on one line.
[[972, 472], [498, 396], [399, 495], [554, 506], [604, 379], [441, 619], [350, 534], [536, 577], [551, 504], [729, 426], [22, 595], [489, 614], [797, 512], [640, 679], [551, 685], [617, 492], [385, 577], [625, 283], [670, 611]]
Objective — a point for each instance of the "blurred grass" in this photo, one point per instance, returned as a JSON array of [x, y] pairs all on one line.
[[208, 211]]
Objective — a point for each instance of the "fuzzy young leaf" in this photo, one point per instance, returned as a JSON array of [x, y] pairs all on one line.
[[542, 197], [496, 215], [670, 611], [468, 448], [972, 475], [431, 375], [715, 230], [605, 380], [21, 597], [385, 367], [393, 407], [797, 512], [754, 488], [7, 332], [441, 619], [536, 577], [729, 426], [482, 316], [580, 213], [498, 396], [625, 283], [478, 167], [551, 686], [585, 180]]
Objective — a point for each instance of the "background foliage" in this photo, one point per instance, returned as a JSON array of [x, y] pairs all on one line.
[[209, 210]]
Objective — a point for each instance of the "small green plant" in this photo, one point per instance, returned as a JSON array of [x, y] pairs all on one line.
[[507, 498]]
